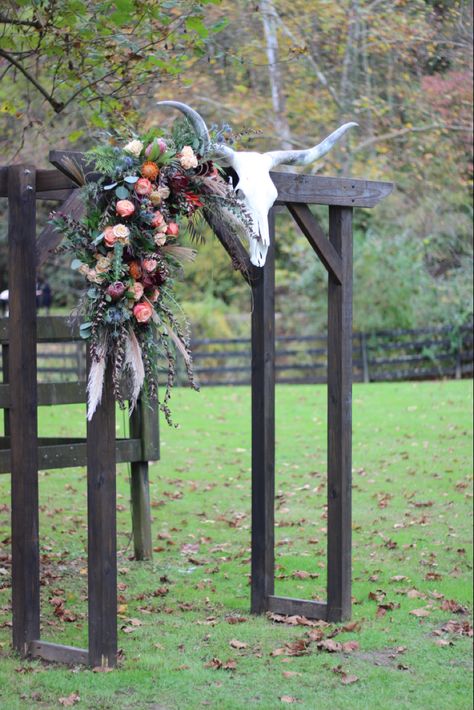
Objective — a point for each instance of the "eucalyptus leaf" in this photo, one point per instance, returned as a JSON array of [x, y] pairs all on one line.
[[131, 179], [111, 186], [76, 264], [122, 193]]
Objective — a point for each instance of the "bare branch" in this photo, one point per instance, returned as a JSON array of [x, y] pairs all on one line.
[[57, 106]]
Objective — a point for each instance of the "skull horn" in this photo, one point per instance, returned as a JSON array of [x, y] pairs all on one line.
[[305, 157], [196, 121]]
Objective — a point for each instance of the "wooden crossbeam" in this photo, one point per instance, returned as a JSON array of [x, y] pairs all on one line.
[[313, 231]]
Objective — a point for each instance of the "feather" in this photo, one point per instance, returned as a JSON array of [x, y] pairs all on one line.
[[180, 345], [180, 253], [134, 362], [95, 383], [75, 170]]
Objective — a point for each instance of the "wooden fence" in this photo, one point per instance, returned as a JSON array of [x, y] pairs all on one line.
[[428, 353]]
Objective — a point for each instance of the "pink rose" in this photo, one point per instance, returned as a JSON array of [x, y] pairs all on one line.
[[137, 290], [157, 220], [149, 265], [143, 311], [143, 187], [173, 229], [109, 236], [155, 294], [125, 208]]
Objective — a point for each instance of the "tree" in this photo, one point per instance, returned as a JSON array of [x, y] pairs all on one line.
[[91, 59]]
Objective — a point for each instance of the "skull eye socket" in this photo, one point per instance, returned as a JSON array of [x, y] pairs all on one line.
[[240, 193]]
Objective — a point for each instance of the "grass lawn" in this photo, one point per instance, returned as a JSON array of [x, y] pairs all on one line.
[[184, 616]]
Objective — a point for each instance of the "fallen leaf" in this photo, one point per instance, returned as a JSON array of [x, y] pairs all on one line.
[[291, 674], [443, 643], [330, 646], [70, 700], [453, 606], [349, 646], [420, 612], [102, 669], [348, 679], [236, 619], [398, 578], [288, 699], [237, 644]]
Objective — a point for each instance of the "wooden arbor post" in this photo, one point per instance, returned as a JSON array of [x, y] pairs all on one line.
[[296, 192], [22, 452]]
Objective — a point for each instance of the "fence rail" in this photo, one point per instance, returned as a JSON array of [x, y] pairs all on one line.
[[428, 353]]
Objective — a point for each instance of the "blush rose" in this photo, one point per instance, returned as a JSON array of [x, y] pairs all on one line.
[[143, 311]]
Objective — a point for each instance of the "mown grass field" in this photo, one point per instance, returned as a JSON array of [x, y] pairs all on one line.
[[185, 616]]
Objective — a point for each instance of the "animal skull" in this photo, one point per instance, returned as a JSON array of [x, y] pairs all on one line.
[[255, 185]]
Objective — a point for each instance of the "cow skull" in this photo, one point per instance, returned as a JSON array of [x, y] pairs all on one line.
[[255, 185]]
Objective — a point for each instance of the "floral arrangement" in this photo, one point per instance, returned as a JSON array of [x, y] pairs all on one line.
[[127, 248]]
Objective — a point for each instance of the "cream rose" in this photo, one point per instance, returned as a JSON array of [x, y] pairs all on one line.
[[187, 158], [134, 148], [122, 233], [137, 290], [160, 239]]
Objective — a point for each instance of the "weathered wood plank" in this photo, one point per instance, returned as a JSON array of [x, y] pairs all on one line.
[[321, 190], [50, 329], [143, 424], [102, 530], [23, 407], [53, 454], [5, 402], [263, 430], [58, 653], [340, 419], [313, 232], [300, 607], [46, 182], [51, 393]]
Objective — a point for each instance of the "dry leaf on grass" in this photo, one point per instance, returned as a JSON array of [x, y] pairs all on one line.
[[288, 699], [70, 700], [237, 644], [420, 612], [290, 674]]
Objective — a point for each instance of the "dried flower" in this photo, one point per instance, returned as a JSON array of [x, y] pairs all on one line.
[[103, 264], [135, 147], [150, 170], [157, 220], [135, 269], [154, 295]]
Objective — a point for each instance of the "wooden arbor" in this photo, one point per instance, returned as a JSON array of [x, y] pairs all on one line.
[[296, 192]]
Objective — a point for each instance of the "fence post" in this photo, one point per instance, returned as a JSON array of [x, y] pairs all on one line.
[[365, 357], [23, 405]]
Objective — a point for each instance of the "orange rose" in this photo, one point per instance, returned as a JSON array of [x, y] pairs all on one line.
[[143, 187], [173, 229], [143, 311], [125, 208], [109, 236]]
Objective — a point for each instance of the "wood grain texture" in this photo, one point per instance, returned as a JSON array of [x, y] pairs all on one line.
[[313, 231], [300, 607], [340, 419], [320, 190], [58, 653], [263, 430], [23, 405], [143, 424], [102, 530]]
